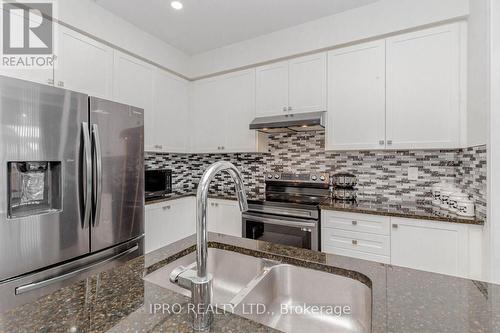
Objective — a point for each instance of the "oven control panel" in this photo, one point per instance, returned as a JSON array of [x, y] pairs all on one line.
[[299, 177]]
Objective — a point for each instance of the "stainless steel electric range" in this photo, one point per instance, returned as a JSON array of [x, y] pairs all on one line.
[[290, 213]]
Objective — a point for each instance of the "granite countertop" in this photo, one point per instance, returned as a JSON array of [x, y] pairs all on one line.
[[220, 195], [420, 210], [119, 300]]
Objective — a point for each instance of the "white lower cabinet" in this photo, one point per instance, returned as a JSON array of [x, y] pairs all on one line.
[[224, 217], [440, 247], [356, 235], [168, 222]]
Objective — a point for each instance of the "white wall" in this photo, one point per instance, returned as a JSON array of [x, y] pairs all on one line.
[[492, 228], [478, 73], [87, 16], [379, 18]]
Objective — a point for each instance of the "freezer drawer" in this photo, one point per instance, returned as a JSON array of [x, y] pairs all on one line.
[[28, 288]]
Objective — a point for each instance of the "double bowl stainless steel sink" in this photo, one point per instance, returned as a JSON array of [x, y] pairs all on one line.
[[285, 297]]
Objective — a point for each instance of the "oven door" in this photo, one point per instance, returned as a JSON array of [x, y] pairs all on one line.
[[302, 233]]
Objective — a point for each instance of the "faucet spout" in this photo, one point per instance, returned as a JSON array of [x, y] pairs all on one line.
[[242, 200], [202, 203], [200, 281]]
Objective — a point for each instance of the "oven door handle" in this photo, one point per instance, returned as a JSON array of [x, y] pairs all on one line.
[[287, 223]]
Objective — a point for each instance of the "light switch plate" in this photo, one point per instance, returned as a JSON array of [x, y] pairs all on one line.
[[413, 173]]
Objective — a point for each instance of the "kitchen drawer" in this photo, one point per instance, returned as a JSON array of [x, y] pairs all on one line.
[[356, 254], [356, 241], [356, 222]]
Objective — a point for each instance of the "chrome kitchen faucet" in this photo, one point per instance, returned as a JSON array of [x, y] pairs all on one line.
[[199, 281]]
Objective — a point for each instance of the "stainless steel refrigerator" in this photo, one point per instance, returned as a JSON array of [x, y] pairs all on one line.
[[71, 187]]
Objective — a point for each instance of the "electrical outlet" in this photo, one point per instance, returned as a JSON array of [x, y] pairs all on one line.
[[412, 173]]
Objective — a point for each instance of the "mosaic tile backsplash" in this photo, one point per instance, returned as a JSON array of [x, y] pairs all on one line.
[[383, 175]]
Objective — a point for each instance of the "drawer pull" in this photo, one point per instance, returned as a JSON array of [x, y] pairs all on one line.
[[394, 226], [354, 222], [166, 207], [354, 242]]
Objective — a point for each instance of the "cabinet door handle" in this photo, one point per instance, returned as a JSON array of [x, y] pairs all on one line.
[[381, 142], [50, 81], [354, 222], [394, 226], [166, 207], [60, 84], [284, 109], [389, 142], [289, 108], [354, 242]]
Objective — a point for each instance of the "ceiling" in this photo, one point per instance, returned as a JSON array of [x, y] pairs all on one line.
[[208, 24]]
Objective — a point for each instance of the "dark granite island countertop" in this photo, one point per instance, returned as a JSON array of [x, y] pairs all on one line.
[[413, 210], [119, 300]]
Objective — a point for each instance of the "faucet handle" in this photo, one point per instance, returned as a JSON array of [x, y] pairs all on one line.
[[174, 275]]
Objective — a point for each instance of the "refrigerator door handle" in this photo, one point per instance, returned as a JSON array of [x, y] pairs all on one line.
[[97, 173], [87, 181], [40, 284]]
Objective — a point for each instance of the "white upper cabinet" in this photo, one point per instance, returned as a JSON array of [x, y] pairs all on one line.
[[168, 127], [294, 86], [403, 92], [133, 85], [307, 85], [44, 76], [83, 64], [356, 97], [424, 89], [133, 81], [222, 110], [208, 116], [239, 106], [272, 89]]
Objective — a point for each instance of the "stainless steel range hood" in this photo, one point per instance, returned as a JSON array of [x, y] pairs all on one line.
[[301, 122]]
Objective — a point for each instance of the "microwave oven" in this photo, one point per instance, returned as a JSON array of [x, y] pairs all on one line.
[[158, 183]]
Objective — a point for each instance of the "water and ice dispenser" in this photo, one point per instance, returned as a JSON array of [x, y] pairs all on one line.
[[34, 188]]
